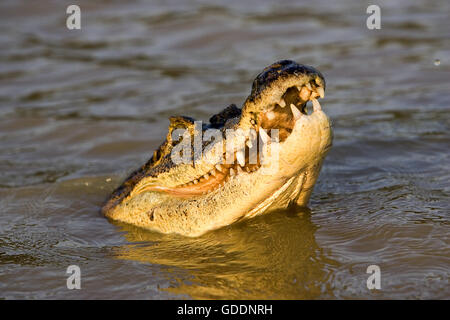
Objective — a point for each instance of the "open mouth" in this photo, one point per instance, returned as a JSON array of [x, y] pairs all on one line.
[[291, 106]]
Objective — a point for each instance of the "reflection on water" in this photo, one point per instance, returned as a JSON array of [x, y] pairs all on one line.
[[80, 109], [274, 256]]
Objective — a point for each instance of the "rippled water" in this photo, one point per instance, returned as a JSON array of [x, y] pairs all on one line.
[[80, 109]]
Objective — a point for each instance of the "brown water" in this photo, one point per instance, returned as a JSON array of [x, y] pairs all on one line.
[[78, 108]]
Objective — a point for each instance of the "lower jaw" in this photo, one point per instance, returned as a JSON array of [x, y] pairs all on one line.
[[270, 202]]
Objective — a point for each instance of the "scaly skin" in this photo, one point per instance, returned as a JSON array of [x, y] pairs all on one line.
[[193, 198]]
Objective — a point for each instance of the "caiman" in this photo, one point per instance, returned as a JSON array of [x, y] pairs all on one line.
[[199, 195]]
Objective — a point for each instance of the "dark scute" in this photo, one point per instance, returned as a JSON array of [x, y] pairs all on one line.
[[218, 120]]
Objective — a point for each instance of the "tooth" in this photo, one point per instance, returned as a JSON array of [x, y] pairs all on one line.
[[239, 170], [316, 105], [308, 85], [195, 181], [219, 167], [231, 172], [297, 114], [240, 157], [253, 134], [264, 136], [247, 169], [213, 172], [249, 144], [320, 91], [282, 103], [206, 176]]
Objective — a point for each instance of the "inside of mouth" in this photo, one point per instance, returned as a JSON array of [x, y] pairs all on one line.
[[279, 116], [276, 116]]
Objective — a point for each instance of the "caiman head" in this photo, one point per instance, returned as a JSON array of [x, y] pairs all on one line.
[[266, 155]]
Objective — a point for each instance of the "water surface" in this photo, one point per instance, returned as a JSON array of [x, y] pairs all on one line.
[[79, 110]]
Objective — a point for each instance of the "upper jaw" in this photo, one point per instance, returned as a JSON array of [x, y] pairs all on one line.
[[281, 104]]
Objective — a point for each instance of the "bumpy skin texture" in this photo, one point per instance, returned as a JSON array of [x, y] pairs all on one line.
[[193, 198]]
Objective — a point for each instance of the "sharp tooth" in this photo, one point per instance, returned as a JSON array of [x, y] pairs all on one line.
[[297, 114], [253, 134], [247, 169], [308, 85], [316, 105], [321, 92], [240, 157], [264, 136], [219, 167], [231, 172], [213, 172], [249, 144], [282, 103], [206, 176], [195, 181], [239, 170]]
